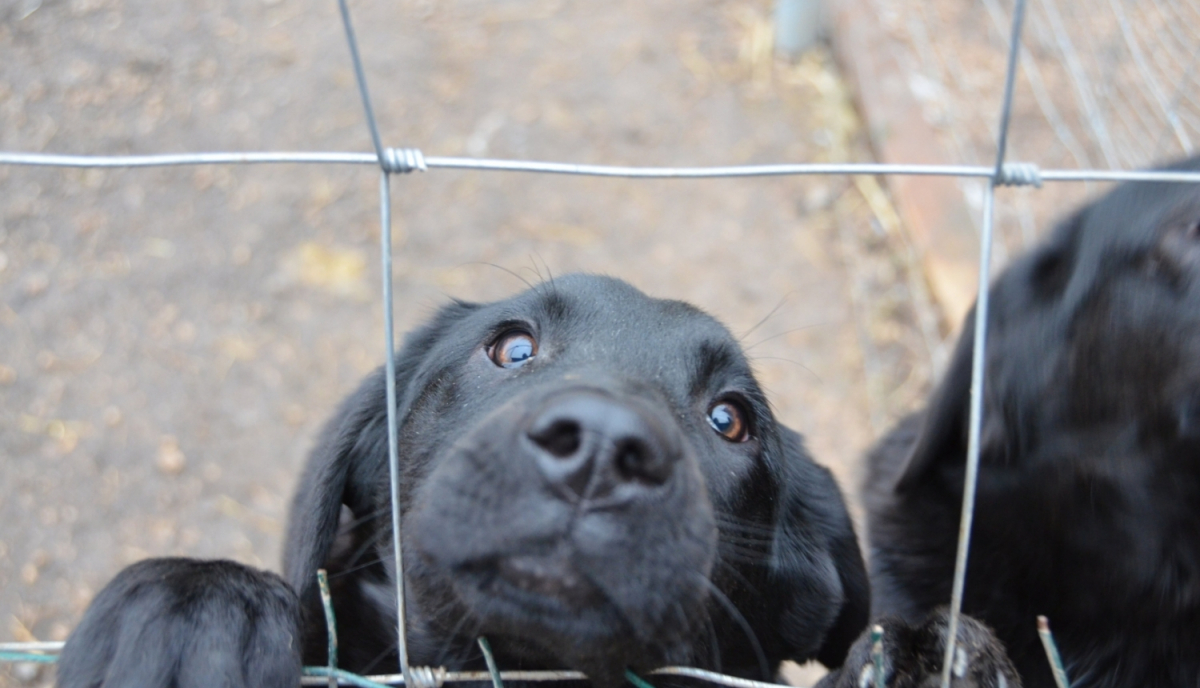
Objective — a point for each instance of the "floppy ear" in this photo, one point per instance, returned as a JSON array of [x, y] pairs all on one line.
[[943, 428], [816, 566], [349, 464]]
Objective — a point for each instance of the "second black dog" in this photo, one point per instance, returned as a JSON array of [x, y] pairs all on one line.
[[1089, 488]]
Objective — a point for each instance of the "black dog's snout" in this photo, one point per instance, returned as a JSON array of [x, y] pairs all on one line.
[[593, 444]]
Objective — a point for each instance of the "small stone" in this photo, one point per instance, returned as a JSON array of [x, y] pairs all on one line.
[[26, 672], [36, 283], [112, 416], [241, 254], [171, 459]]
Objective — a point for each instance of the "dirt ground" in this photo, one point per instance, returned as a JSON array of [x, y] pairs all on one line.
[[171, 339]]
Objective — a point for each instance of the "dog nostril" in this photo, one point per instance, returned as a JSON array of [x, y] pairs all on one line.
[[636, 462], [560, 438]]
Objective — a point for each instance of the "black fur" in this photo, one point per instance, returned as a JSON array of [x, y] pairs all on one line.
[[1089, 487], [186, 623], [639, 538], [912, 657]]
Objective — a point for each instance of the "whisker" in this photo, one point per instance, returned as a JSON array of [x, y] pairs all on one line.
[[767, 317], [469, 650], [732, 522], [620, 612], [740, 620], [360, 567], [787, 332], [732, 570], [387, 651], [796, 363], [714, 643], [750, 540], [368, 517], [549, 279], [351, 563], [502, 269], [736, 557]]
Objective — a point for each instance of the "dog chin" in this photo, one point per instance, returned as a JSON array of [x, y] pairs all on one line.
[[543, 612]]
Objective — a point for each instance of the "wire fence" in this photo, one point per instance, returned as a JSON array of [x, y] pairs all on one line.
[[1103, 83], [1157, 92]]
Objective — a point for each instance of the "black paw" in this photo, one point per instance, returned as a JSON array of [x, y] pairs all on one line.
[[912, 657], [186, 623]]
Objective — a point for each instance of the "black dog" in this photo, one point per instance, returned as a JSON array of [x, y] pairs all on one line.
[[1089, 487], [591, 478]]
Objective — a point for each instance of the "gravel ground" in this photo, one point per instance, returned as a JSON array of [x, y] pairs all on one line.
[[170, 340]]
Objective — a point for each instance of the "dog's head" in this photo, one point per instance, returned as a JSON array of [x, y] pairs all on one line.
[[593, 479], [1093, 342], [1091, 430]]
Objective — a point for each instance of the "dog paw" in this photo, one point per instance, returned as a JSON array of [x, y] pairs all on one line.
[[912, 657], [186, 622]]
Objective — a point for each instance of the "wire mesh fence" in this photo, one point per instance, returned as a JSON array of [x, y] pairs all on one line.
[[1103, 84], [1141, 86]]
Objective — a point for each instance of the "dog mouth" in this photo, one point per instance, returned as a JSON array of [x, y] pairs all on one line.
[[543, 609], [547, 576], [535, 586]]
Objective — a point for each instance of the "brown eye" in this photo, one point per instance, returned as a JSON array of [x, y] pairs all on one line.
[[513, 349], [729, 420]]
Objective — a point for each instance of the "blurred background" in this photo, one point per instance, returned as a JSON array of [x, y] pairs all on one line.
[[172, 339]]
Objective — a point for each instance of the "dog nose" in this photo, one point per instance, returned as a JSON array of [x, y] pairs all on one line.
[[594, 446]]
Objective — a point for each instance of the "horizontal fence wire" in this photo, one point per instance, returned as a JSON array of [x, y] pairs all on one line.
[[1012, 173], [318, 676]]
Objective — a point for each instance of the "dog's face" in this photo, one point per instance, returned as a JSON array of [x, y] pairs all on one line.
[[593, 479], [573, 481]]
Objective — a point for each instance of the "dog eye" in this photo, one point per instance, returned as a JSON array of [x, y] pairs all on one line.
[[513, 349], [729, 420]]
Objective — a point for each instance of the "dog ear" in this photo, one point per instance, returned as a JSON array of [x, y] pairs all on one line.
[[942, 433], [815, 560], [1038, 281], [349, 463]]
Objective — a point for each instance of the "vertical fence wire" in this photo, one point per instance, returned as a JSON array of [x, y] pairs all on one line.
[[979, 353], [389, 338]]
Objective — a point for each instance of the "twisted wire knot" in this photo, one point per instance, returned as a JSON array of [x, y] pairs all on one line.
[[1019, 174], [426, 677], [402, 160]]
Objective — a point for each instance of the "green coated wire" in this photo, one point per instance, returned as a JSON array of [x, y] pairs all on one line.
[[1056, 663], [491, 662], [27, 657], [333, 673], [344, 676], [877, 654], [636, 680], [330, 624]]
